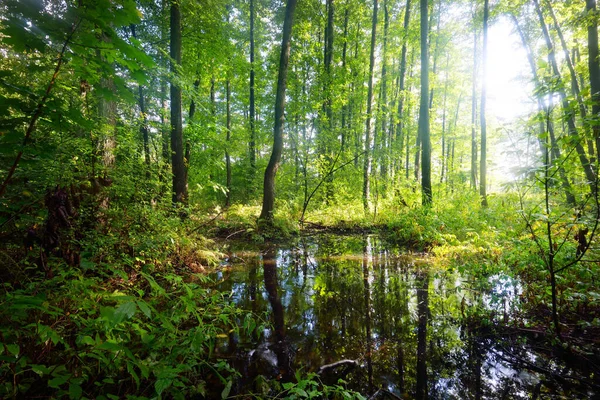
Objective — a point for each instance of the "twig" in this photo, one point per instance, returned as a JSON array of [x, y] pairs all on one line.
[[331, 172], [536, 368], [235, 233]]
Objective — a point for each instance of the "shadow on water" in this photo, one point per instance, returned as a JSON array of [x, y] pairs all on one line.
[[358, 309]]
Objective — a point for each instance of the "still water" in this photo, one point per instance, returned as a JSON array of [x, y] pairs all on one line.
[[387, 322]]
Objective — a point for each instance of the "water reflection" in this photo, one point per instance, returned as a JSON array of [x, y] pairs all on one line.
[[280, 345], [415, 331]]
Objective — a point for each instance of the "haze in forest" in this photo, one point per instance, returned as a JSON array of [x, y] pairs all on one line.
[[356, 199]]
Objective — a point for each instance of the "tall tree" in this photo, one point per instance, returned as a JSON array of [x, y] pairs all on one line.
[[548, 126], [228, 143], [444, 111], [367, 162], [383, 106], [327, 104], [144, 125], [483, 160], [269, 182], [424, 109], [400, 118], [252, 107], [567, 111], [574, 82], [178, 165], [474, 109], [594, 67]]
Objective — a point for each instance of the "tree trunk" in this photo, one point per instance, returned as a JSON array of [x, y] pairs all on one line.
[[345, 106], [594, 67], [444, 120], [188, 148], [474, 111], [574, 83], [424, 110], [367, 163], [271, 170], [383, 105], [178, 166], [436, 48], [144, 126], [401, 95], [572, 128], [252, 111], [483, 162], [227, 144], [545, 109], [327, 105]]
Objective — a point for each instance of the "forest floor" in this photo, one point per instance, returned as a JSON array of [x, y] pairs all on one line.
[[142, 275]]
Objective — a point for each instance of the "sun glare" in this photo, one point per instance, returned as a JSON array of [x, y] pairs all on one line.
[[509, 100]]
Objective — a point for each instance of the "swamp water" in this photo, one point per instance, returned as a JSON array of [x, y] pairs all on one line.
[[385, 321]]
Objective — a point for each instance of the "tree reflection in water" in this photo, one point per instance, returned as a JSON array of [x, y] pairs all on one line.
[[281, 347], [417, 332]]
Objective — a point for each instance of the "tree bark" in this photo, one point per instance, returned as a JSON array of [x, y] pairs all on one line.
[[424, 110], [178, 165], [271, 170], [367, 162]]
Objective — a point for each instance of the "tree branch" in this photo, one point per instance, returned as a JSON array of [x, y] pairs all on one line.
[[40, 106]]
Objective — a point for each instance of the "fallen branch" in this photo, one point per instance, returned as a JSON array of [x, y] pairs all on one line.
[[207, 222], [386, 393], [325, 368], [536, 368]]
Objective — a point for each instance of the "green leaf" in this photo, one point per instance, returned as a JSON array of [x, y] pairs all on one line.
[[161, 384], [75, 391], [144, 307], [41, 370], [225, 392], [300, 392], [87, 340], [125, 311], [134, 375], [13, 349], [59, 380]]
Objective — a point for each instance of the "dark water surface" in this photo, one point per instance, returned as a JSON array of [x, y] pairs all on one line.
[[413, 330]]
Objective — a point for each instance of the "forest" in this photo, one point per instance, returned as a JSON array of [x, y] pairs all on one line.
[[264, 199]]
